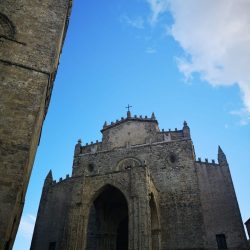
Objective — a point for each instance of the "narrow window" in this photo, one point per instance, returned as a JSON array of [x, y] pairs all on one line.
[[52, 245], [221, 241]]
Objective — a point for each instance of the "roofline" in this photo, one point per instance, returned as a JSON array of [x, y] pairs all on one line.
[[138, 119]]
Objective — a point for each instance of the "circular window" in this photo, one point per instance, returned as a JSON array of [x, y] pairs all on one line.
[[90, 167]]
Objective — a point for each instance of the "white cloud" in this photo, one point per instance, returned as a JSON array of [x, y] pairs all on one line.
[[27, 226], [215, 36], [244, 116], [137, 22], [158, 7]]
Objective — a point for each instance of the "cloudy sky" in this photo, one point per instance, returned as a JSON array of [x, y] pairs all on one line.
[[184, 60]]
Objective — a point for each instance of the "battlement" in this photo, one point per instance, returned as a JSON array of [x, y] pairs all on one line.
[[132, 131], [49, 181], [137, 163], [88, 147], [129, 118], [162, 136], [61, 179], [221, 160], [206, 162]]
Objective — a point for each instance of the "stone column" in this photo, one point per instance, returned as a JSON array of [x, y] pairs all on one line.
[[139, 236], [156, 239]]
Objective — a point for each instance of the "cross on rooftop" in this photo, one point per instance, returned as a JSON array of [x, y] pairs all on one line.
[[128, 107]]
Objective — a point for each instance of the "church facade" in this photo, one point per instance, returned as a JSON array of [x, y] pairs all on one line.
[[140, 188]]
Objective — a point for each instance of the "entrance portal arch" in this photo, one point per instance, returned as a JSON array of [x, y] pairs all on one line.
[[108, 221]]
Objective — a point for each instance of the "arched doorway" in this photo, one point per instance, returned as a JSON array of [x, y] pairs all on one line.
[[155, 227], [108, 221]]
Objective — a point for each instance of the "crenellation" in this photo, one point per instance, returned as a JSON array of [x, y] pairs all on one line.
[[158, 139], [61, 179], [157, 136], [134, 118], [206, 162], [152, 183]]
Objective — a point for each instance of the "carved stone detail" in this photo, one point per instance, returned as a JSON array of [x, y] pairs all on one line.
[[128, 163]]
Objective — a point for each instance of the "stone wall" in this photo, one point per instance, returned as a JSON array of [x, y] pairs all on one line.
[[169, 165], [174, 201], [219, 203], [52, 214], [132, 183], [31, 37]]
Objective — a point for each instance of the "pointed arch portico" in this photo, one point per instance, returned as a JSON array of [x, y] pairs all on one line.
[[126, 191], [108, 221]]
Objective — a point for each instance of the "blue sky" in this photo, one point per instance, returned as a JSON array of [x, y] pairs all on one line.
[[159, 56]]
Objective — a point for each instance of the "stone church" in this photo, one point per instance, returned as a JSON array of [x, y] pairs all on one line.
[[140, 188]]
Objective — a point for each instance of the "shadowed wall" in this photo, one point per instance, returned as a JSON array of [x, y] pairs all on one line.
[[31, 38]]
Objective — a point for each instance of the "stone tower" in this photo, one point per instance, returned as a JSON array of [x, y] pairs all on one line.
[[140, 188], [31, 38]]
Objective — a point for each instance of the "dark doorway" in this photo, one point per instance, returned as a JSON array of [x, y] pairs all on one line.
[[122, 235], [108, 221]]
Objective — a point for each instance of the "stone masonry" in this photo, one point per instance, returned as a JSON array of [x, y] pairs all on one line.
[[31, 38], [140, 188]]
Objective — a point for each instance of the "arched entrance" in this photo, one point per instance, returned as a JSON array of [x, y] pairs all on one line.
[[108, 221], [155, 227]]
